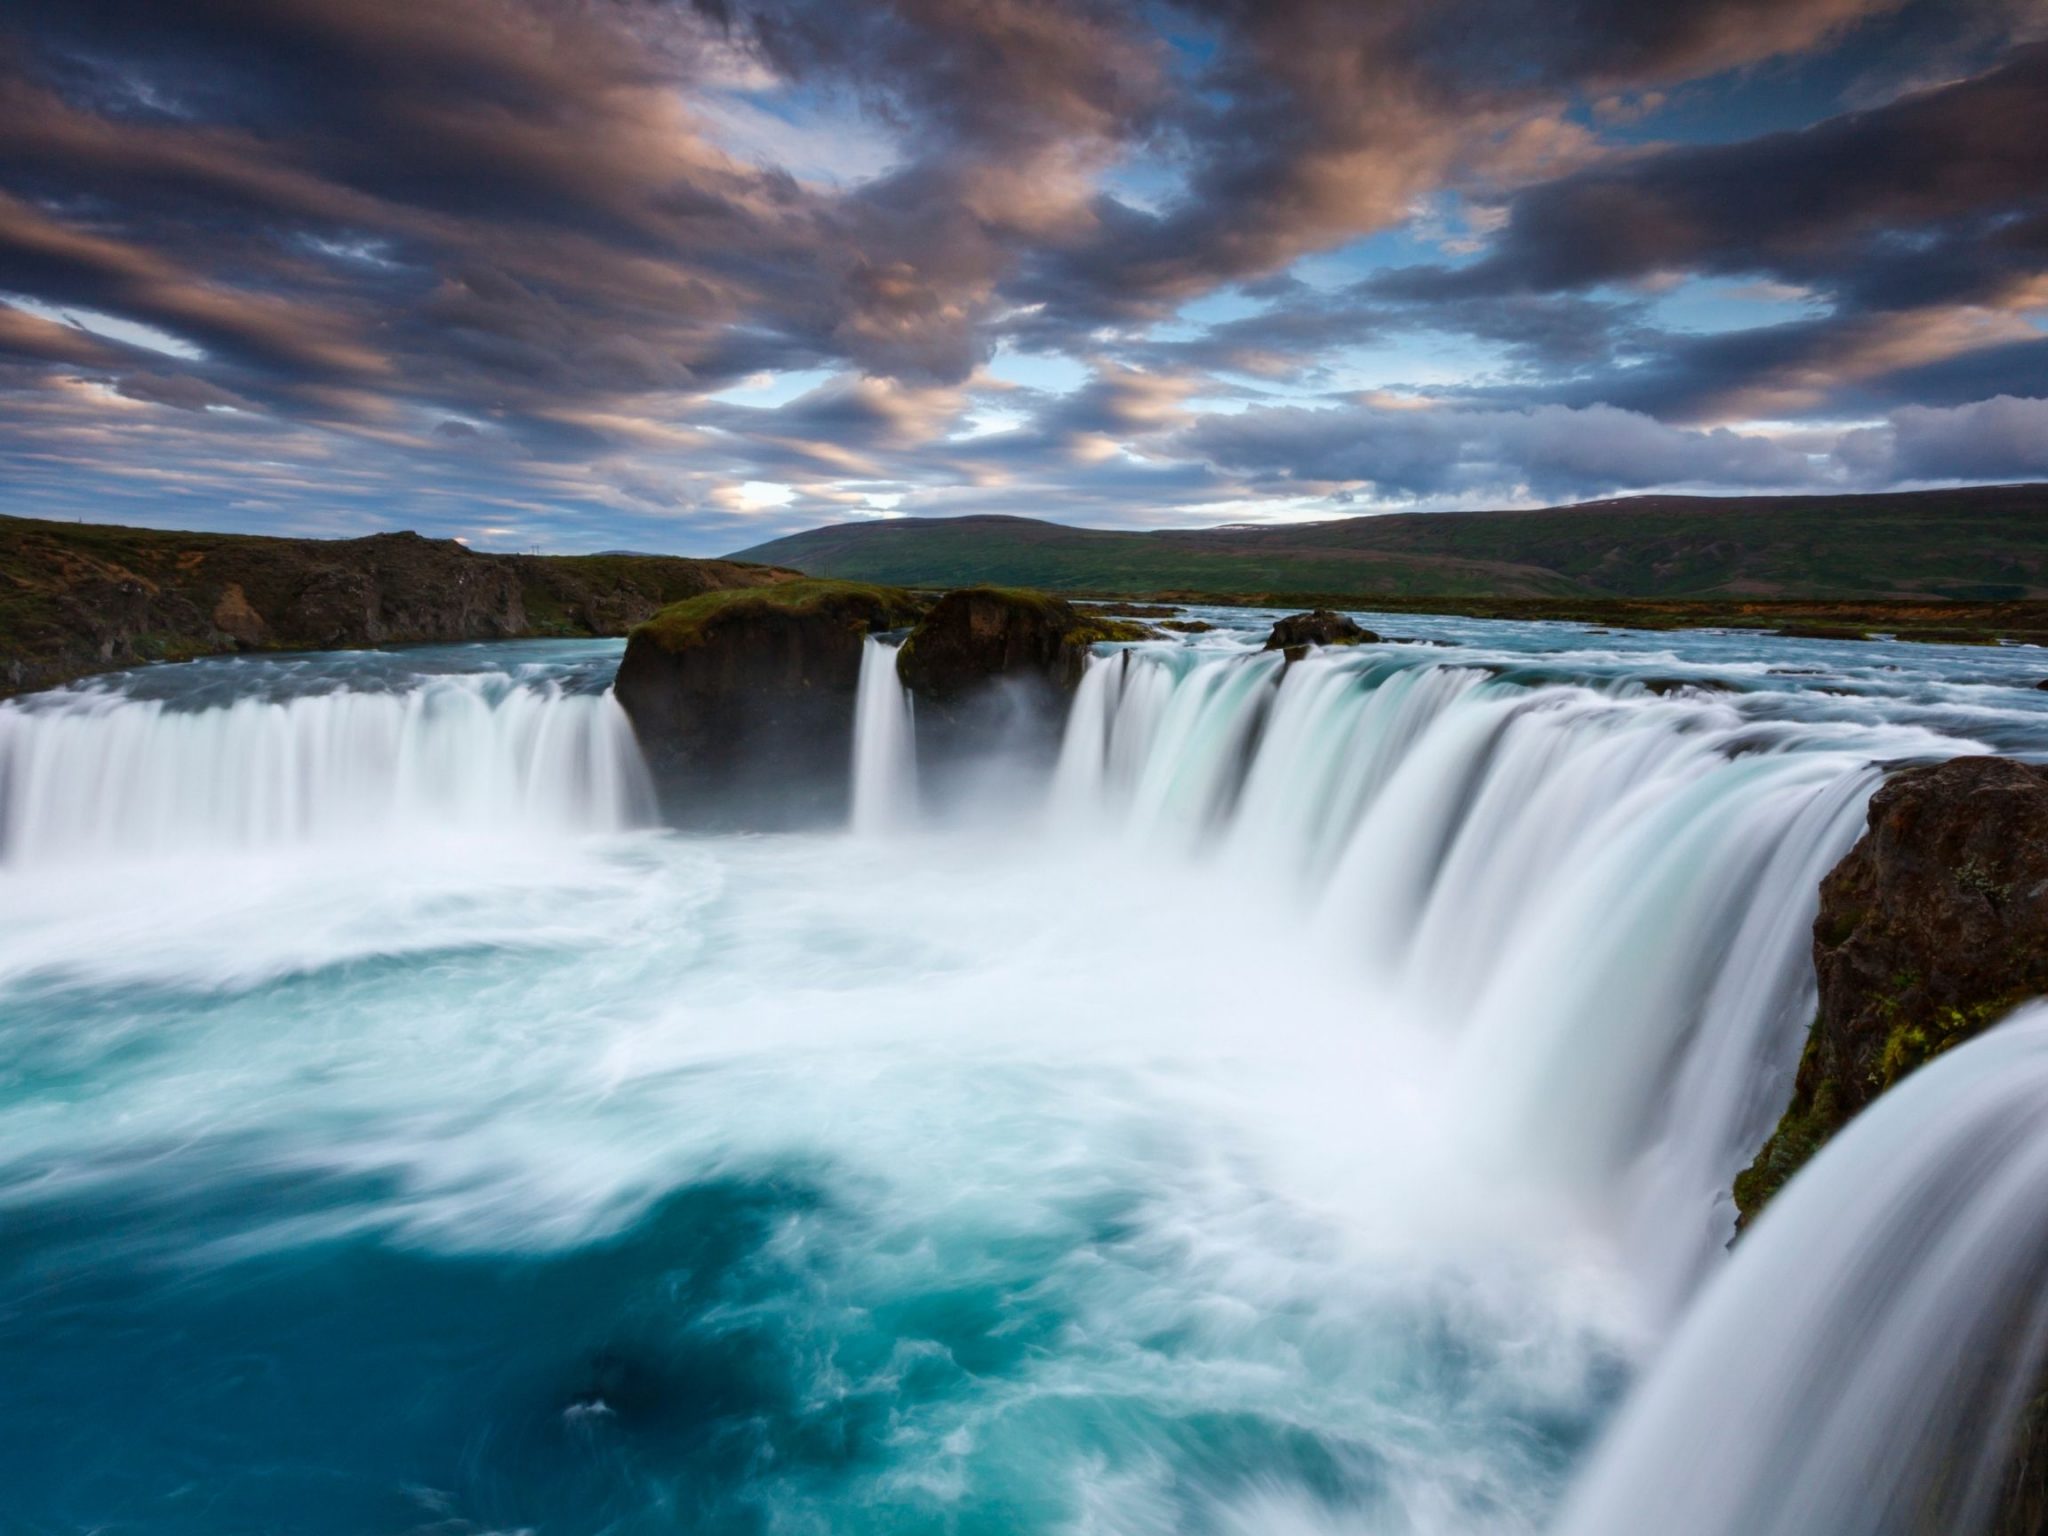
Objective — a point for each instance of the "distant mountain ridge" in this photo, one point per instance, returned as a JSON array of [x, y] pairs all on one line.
[[1980, 543]]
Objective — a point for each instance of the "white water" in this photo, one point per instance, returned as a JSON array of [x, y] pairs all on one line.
[[884, 748], [1303, 1121], [1854, 1370], [1601, 902], [97, 773]]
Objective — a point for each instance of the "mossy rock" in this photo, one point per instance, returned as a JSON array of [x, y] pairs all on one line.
[[978, 635], [859, 606]]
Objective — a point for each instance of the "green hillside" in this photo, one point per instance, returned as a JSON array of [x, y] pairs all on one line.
[[1978, 544]]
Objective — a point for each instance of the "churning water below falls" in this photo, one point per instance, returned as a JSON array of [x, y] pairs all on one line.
[[1306, 1107]]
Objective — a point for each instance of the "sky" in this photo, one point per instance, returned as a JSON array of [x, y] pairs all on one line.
[[656, 275]]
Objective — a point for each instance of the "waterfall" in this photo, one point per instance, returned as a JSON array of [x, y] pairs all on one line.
[[1857, 1368], [1601, 897], [1310, 1105], [884, 745], [100, 773]]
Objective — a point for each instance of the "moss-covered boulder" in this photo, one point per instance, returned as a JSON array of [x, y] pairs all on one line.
[[1933, 927], [980, 635], [743, 700], [1321, 626]]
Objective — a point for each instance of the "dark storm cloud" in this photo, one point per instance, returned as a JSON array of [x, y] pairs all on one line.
[[1939, 195], [1318, 119], [1922, 225]]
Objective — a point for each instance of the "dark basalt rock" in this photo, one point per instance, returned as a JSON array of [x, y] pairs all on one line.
[[1322, 626], [990, 670], [980, 635], [743, 700], [1931, 929]]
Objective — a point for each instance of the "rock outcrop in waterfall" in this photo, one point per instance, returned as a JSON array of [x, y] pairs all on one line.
[[978, 635], [1320, 626], [1931, 929], [743, 700]]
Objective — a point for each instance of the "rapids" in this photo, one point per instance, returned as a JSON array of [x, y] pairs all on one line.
[[1307, 1109]]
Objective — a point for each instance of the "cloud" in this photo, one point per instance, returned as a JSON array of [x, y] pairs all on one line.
[[2000, 438], [497, 263], [1549, 452], [1875, 202]]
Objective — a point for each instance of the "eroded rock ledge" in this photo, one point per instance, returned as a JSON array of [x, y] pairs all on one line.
[[1931, 929]]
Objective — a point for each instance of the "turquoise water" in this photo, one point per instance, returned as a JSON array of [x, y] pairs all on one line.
[[369, 1163]]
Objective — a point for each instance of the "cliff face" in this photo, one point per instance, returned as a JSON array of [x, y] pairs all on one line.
[[81, 598], [743, 700], [1931, 929]]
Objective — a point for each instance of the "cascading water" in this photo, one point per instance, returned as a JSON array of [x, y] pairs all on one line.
[[1595, 896], [1857, 1368], [1308, 1119], [884, 747], [97, 773]]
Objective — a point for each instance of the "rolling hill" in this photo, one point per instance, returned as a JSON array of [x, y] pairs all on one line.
[[1978, 544]]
